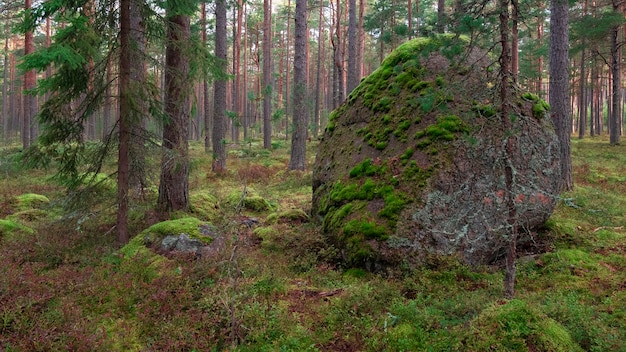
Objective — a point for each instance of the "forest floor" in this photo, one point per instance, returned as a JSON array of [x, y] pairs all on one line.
[[64, 286]]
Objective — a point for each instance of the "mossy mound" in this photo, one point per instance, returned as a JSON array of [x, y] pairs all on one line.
[[29, 201], [204, 205], [192, 227], [10, 227], [412, 164], [294, 216], [516, 326], [248, 199]]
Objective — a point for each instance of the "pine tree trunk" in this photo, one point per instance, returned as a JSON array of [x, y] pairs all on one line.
[[5, 91], [29, 100], [505, 84], [174, 185], [267, 75], [614, 117], [514, 41], [318, 78], [300, 112], [441, 7], [559, 86], [582, 102], [360, 51], [219, 90], [353, 78], [205, 86], [124, 127]]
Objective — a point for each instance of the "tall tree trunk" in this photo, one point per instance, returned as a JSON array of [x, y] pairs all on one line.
[[300, 112], [139, 97], [441, 8], [288, 106], [125, 126], [559, 85], [244, 98], [318, 78], [614, 117], [353, 78], [238, 92], [205, 85], [582, 101], [30, 81], [219, 89], [539, 87], [409, 16], [5, 90], [360, 50], [108, 101], [174, 185], [514, 41], [267, 75], [505, 86], [595, 101]]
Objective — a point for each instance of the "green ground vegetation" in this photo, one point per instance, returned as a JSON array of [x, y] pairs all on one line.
[[277, 284]]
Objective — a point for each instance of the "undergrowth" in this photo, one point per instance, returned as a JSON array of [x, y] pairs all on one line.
[[276, 284]]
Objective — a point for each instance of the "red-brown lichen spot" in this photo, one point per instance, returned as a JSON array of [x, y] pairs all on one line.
[[540, 198], [520, 198], [487, 201]]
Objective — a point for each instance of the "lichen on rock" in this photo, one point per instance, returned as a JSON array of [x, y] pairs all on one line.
[[412, 164]]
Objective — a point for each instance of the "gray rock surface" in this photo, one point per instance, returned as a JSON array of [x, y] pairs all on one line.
[[412, 165]]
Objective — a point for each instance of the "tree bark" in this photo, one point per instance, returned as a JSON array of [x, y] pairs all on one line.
[[5, 90], [582, 100], [505, 109], [615, 116], [353, 79], [30, 81], [267, 75], [123, 158], [318, 78], [559, 85], [219, 90], [174, 185], [514, 41], [441, 7], [300, 112]]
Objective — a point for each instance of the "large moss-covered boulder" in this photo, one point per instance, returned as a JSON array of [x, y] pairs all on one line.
[[412, 164]]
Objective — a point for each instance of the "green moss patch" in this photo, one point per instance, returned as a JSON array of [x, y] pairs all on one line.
[[516, 326], [248, 199], [10, 227], [30, 201], [204, 205], [189, 225], [293, 216], [540, 106]]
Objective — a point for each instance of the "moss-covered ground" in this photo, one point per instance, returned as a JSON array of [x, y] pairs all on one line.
[[276, 285]]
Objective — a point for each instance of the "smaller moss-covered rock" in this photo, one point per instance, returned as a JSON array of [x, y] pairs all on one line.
[[10, 227], [194, 228], [248, 199], [516, 326], [30, 201], [296, 216], [204, 205]]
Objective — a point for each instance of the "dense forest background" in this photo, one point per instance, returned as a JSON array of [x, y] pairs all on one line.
[[342, 44]]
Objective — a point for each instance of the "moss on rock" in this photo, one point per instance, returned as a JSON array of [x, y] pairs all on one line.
[[193, 227], [11, 228], [30, 201], [415, 153], [248, 199]]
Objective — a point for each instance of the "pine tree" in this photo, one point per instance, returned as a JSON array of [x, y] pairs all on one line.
[[174, 184]]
